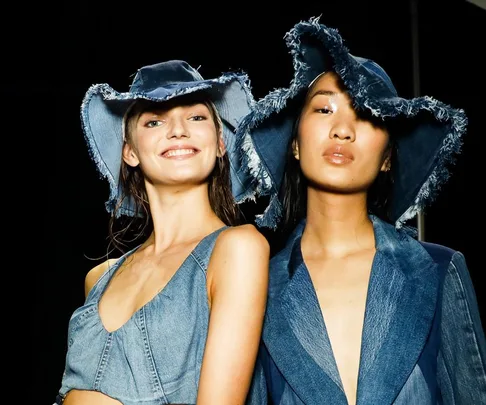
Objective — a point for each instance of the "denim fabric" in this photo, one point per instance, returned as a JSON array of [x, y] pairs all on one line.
[[155, 357], [423, 342]]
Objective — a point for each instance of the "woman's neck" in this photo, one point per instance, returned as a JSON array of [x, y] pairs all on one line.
[[180, 215], [337, 224]]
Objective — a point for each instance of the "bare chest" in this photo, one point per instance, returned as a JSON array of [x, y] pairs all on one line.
[[341, 287]]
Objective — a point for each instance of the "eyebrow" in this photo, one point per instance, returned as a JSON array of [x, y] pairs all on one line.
[[323, 93]]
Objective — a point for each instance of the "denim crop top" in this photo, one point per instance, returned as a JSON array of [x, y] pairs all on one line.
[[156, 356]]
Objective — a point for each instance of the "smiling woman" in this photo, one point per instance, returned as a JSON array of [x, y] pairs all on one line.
[[184, 138], [177, 318]]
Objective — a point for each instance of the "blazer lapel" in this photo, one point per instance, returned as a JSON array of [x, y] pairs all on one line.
[[296, 337], [400, 309]]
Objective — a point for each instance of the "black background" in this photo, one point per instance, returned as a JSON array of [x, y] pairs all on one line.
[[102, 43]]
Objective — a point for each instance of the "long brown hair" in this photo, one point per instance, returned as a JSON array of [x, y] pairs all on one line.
[[123, 229]]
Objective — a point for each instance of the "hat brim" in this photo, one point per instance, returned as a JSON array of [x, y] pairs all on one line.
[[103, 110], [424, 154]]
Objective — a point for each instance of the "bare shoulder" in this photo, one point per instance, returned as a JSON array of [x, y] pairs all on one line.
[[95, 273], [243, 237], [241, 249], [239, 264]]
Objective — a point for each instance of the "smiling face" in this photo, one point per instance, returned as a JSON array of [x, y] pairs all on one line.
[[338, 150], [174, 142]]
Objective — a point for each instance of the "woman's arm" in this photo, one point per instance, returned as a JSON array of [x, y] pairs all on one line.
[[462, 354], [237, 289]]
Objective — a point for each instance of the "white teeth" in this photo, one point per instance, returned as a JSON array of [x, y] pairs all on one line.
[[338, 154], [179, 152]]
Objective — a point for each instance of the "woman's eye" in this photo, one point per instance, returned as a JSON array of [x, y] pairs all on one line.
[[324, 110], [198, 118], [153, 123]]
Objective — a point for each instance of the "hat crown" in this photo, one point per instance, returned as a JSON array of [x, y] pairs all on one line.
[[376, 70], [163, 74]]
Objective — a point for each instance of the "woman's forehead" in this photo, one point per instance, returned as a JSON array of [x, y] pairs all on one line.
[[170, 105], [328, 79], [328, 84]]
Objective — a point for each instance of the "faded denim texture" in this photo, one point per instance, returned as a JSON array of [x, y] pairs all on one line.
[[155, 357], [423, 342]]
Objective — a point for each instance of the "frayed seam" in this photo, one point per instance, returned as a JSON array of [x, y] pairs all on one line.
[[254, 165], [93, 150], [272, 214], [451, 147]]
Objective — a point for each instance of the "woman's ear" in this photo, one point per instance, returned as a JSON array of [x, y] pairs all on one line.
[[221, 146], [386, 166], [129, 156], [295, 149]]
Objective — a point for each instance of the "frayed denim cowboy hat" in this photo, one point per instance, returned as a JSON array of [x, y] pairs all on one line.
[[424, 152], [103, 110]]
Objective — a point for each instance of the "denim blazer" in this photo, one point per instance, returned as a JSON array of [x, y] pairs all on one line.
[[422, 343]]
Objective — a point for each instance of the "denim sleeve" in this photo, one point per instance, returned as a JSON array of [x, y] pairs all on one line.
[[462, 351]]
